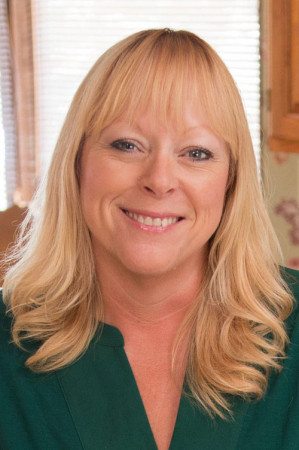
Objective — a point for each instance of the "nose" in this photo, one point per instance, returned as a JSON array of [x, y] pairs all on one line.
[[159, 176]]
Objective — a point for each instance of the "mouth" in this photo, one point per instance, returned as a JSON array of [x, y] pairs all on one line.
[[157, 221]]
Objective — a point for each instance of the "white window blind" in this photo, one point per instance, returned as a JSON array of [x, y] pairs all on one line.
[[71, 34], [7, 116]]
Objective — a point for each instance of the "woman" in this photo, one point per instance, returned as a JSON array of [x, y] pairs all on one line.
[[144, 301]]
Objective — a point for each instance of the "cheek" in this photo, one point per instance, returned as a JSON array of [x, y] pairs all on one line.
[[102, 181], [92, 188], [210, 195], [96, 179]]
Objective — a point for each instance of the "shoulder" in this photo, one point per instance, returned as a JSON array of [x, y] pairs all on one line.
[[9, 353], [291, 363], [5, 320], [7, 347], [291, 277]]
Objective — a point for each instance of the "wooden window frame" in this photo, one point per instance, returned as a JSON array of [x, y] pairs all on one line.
[[284, 75]]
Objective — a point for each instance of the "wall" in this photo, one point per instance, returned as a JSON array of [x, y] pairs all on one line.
[[283, 201]]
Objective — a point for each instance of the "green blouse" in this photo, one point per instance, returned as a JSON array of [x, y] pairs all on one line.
[[95, 404]]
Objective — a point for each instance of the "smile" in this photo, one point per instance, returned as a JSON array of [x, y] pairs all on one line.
[[157, 222]]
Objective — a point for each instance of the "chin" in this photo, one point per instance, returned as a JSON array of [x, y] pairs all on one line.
[[148, 266]]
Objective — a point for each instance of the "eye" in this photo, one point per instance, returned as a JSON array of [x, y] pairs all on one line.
[[124, 145], [199, 154]]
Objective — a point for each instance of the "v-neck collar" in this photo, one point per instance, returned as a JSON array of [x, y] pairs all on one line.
[[103, 398], [107, 409]]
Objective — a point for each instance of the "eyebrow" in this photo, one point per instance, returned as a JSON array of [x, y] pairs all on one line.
[[135, 126], [196, 127]]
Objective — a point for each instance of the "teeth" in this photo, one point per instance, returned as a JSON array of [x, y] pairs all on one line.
[[157, 222], [164, 222], [148, 221]]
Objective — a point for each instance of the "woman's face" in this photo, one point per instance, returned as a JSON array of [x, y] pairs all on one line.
[[153, 196]]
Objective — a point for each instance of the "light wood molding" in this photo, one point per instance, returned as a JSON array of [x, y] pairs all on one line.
[[284, 75], [23, 76]]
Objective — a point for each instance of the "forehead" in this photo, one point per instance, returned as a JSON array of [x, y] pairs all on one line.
[[177, 99], [192, 120], [193, 128], [190, 116]]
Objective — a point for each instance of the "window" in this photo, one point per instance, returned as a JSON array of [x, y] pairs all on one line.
[[69, 35]]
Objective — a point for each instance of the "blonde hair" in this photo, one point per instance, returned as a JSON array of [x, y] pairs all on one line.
[[237, 326]]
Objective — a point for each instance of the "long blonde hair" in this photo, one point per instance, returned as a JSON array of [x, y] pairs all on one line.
[[50, 287]]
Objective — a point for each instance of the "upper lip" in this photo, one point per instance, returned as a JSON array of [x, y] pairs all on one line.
[[152, 214]]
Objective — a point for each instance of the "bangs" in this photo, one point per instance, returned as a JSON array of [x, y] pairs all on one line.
[[160, 82], [162, 73]]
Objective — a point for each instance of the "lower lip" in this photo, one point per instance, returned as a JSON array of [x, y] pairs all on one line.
[[153, 229]]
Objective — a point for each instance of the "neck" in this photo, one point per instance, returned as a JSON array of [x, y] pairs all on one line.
[[146, 301], [148, 311]]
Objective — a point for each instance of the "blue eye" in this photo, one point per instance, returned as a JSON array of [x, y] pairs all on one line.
[[200, 154], [125, 146]]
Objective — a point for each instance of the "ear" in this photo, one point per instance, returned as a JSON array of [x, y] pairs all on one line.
[[78, 158], [231, 175]]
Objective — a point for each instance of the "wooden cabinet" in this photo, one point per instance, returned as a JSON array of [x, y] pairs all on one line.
[[284, 75]]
